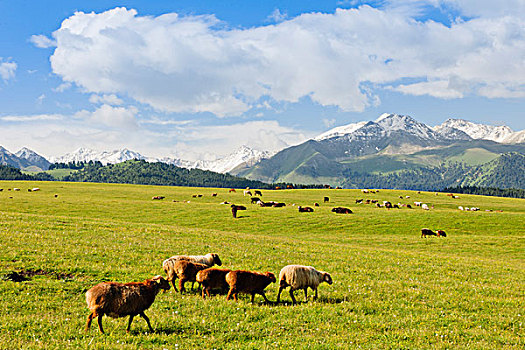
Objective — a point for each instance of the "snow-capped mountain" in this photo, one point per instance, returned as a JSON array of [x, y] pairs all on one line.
[[105, 157], [244, 155], [451, 129], [385, 125], [479, 131], [33, 158]]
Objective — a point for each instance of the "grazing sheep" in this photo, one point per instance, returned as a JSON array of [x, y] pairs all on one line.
[[214, 194], [231, 190], [424, 206], [305, 209], [418, 204], [257, 193], [255, 200], [16, 189], [427, 232], [316, 204], [441, 233], [326, 199], [341, 210], [56, 195], [209, 259], [266, 204], [388, 205], [247, 192], [373, 201], [279, 205], [358, 201], [157, 197], [35, 189], [235, 208], [460, 207], [212, 278], [409, 206], [301, 277], [185, 271], [248, 282], [123, 299]]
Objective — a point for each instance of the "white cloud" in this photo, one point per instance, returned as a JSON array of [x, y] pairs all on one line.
[[111, 99], [200, 142], [191, 64], [115, 117], [439, 89], [277, 16], [40, 99], [329, 122], [42, 41], [7, 69], [30, 118], [62, 87]]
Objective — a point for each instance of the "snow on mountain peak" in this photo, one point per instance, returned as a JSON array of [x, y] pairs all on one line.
[[106, 157], [479, 131], [340, 131]]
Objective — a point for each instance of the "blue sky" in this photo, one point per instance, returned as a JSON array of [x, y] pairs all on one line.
[[197, 79]]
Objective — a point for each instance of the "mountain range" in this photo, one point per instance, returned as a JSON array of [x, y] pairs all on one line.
[[392, 146], [28, 160], [389, 147]]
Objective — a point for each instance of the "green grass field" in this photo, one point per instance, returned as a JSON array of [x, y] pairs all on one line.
[[392, 289]]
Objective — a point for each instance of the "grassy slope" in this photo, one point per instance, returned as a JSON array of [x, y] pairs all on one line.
[[391, 288]]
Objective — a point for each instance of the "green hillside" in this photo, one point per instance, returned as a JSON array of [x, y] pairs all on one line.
[[460, 163]]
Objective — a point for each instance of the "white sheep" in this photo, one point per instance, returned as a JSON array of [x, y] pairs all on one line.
[[425, 206], [301, 277]]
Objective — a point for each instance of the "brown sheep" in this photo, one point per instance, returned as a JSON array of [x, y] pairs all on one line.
[[441, 233], [266, 204], [427, 232], [185, 271], [257, 193], [157, 197], [254, 200], [316, 204], [279, 205], [231, 190], [212, 278], [248, 282], [305, 209], [341, 210], [235, 208], [123, 299]]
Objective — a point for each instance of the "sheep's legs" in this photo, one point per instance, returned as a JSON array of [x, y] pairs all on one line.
[[147, 320], [129, 322], [315, 297], [173, 284], [253, 297], [265, 298], [90, 318], [293, 298], [306, 294], [181, 285], [279, 294], [230, 294], [99, 320]]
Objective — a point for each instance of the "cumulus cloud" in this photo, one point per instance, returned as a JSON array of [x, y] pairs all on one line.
[[42, 41], [7, 69], [194, 64]]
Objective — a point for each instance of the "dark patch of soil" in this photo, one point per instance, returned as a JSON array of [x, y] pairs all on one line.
[[26, 275]]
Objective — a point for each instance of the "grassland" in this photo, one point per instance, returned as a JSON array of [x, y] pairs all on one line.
[[392, 289]]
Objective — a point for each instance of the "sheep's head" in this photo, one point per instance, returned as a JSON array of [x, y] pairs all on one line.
[[327, 278], [216, 259], [271, 276], [162, 283]]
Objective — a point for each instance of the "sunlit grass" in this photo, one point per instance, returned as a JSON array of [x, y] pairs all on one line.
[[392, 289]]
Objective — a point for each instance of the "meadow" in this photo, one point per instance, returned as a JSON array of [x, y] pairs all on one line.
[[392, 288]]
